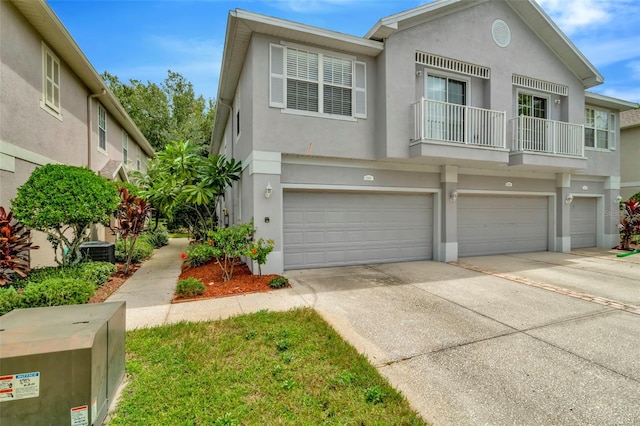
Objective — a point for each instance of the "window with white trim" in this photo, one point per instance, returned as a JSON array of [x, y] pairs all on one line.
[[50, 80], [599, 129], [102, 128], [316, 82], [138, 162], [125, 146]]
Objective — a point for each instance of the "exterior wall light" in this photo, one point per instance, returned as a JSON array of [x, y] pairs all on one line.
[[618, 199], [268, 190], [454, 196], [569, 199]]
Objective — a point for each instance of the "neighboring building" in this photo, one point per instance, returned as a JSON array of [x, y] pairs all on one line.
[[453, 129], [55, 108], [630, 153]]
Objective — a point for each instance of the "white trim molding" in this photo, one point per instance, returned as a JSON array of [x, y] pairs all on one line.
[[9, 152], [265, 162]]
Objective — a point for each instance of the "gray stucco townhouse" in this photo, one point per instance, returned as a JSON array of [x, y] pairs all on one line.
[[458, 128]]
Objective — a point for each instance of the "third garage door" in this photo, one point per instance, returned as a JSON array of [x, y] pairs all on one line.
[[583, 222], [500, 225], [336, 229]]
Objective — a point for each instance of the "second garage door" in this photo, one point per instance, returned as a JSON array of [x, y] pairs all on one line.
[[583, 222], [500, 225], [337, 229]]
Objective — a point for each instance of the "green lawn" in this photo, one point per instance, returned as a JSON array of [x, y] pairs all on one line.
[[261, 369]]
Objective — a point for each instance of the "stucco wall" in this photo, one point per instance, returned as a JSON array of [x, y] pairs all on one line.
[[296, 134], [630, 160]]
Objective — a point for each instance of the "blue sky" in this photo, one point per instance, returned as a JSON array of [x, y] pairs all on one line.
[[142, 39]]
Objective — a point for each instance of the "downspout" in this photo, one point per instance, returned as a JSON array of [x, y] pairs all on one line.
[[232, 144], [89, 123]]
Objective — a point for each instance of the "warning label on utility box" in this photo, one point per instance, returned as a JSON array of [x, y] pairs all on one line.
[[80, 416], [19, 386]]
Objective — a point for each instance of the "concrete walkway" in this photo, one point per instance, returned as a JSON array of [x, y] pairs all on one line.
[[149, 291]]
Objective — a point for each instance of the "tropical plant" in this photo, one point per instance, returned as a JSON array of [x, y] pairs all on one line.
[[630, 221], [259, 250], [131, 215], [180, 177], [231, 243], [14, 248], [63, 202]]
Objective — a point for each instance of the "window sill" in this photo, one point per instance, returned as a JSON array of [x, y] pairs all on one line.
[[50, 110], [318, 115], [589, 148], [103, 151]]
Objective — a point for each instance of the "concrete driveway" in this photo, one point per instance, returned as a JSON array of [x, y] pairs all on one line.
[[537, 338]]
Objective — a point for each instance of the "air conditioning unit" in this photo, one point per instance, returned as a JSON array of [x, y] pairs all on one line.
[[99, 251]]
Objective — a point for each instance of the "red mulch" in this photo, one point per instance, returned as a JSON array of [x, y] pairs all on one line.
[[243, 281]]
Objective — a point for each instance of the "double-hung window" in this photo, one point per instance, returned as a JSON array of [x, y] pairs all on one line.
[[50, 82], [125, 146], [317, 82], [599, 129], [102, 128]]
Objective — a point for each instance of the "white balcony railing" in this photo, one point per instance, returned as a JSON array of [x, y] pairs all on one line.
[[547, 136], [441, 121]]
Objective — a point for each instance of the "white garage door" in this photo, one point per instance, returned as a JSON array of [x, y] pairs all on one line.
[[583, 222], [336, 229], [500, 225]]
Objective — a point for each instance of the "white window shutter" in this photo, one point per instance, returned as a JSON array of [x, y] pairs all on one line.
[[360, 97], [612, 132], [276, 76]]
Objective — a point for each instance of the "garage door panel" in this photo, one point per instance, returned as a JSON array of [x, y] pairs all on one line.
[[498, 225], [584, 212], [347, 229]]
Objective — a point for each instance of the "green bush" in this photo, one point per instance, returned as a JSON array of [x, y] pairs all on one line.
[[97, 272], [199, 254], [141, 251], [157, 238], [278, 282], [10, 299], [190, 287], [57, 292]]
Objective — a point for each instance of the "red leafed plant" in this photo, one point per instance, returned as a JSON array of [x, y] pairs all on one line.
[[630, 222], [131, 216], [14, 248]]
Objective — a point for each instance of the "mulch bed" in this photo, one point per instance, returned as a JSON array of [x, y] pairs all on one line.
[[242, 282], [114, 283]]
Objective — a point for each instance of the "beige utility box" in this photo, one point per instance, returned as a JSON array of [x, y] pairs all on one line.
[[61, 365]]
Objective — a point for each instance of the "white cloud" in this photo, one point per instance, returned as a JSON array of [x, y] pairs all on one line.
[[634, 66], [631, 93], [573, 15], [310, 6], [603, 51]]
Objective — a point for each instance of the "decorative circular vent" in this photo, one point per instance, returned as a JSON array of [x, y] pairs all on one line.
[[501, 33]]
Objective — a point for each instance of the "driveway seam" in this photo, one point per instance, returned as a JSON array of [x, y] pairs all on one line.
[[614, 304]]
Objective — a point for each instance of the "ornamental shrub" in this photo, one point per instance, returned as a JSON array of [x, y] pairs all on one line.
[[231, 243], [96, 273], [199, 254], [141, 251], [14, 248], [278, 282], [158, 237], [63, 202], [190, 287], [259, 250], [57, 292], [10, 299]]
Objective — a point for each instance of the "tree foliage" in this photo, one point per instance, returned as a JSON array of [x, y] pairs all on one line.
[[181, 177], [166, 112], [63, 201]]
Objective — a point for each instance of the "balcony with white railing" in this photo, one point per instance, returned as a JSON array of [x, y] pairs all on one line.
[[448, 130], [547, 143]]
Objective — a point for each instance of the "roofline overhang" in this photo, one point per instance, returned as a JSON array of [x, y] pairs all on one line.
[[609, 102], [241, 25], [543, 27], [55, 35]]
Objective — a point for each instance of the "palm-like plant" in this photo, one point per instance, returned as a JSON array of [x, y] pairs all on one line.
[[630, 222]]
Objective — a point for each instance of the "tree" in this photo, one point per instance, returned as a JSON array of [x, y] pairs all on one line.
[[180, 176], [63, 201], [167, 112]]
